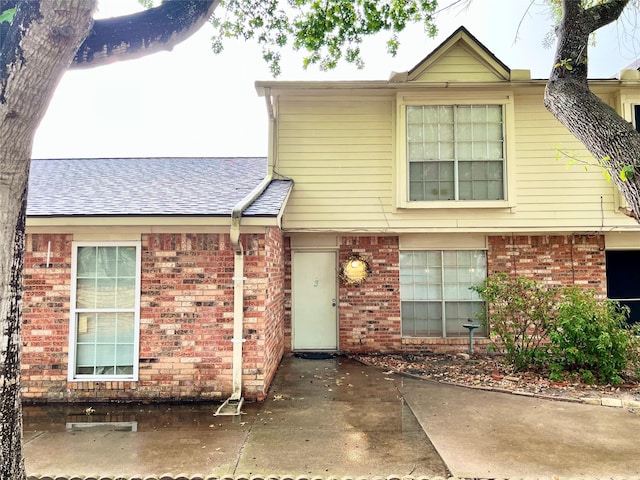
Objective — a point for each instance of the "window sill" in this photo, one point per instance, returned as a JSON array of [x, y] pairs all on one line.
[[458, 204], [110, 378], [463, 340]]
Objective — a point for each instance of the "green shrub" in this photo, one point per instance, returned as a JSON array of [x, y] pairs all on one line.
[[521, 313], [591, 338]]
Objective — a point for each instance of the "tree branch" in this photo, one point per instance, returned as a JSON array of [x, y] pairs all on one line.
[[604, 13], [143, 33]]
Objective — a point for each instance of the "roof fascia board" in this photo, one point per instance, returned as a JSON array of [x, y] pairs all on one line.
[[152, 222], [107, 232]]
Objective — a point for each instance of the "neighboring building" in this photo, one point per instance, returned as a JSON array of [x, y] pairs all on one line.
[[385, 201]]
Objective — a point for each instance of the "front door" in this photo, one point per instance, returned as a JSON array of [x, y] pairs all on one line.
[[313, 290]]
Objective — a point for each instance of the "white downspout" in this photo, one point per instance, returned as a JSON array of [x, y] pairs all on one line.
[[233, 404]]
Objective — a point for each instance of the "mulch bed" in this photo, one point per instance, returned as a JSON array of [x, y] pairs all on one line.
[[490, 371]]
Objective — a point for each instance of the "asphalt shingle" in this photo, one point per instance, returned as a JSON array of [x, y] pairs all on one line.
[[150, 186]]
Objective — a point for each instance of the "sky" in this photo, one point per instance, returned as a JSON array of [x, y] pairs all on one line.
[[190, 102]]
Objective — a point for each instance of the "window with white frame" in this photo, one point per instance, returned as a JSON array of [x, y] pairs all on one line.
[[455, 152], [436, 299], [105, 311]]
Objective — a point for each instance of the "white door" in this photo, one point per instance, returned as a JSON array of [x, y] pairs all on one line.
[[313, 289]]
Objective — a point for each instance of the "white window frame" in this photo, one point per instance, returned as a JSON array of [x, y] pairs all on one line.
[[443, 301], [72, 376], [404, 100]]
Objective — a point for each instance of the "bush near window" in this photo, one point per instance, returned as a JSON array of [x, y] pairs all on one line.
[[591, 338], [521, 314], [567, 330]]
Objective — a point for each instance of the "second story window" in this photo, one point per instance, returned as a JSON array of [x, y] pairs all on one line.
[[455, 152]]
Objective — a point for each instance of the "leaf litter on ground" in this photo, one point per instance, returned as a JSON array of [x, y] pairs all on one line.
[[489, 371]]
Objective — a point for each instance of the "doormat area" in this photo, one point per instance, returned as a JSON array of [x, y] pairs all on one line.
[[315, 355]]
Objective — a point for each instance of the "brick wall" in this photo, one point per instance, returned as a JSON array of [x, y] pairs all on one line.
[[273, 342], [288, 340], [186, 324], [45, 316], [553, 259], [186, 316], [186, 319], [370, 313]]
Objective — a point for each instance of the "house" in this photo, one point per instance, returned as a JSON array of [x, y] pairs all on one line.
[[379, 205], [130, 272]]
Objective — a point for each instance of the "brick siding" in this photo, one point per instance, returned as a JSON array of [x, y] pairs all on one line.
[[186, 319], [45, 316], [370, 313], [552, 259]]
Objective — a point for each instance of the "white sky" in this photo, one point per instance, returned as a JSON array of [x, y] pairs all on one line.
[[191, 102]]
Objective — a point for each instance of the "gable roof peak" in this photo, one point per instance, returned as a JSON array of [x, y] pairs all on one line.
[[461, 57]]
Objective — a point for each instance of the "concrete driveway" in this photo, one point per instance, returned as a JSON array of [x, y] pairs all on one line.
[[338, 418]]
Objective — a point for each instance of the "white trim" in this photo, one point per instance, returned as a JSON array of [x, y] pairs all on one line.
[[71, 376], [622, 240], [443, 301], [443, 241], [450, 98]]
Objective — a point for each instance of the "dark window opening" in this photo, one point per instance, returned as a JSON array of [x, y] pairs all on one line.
[[623, 284]]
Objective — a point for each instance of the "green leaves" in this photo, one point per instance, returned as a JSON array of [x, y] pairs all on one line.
[[590, 338], [329, 31], [626, 173], [520, 316], [8, 15], [566, 63], [568, 330]]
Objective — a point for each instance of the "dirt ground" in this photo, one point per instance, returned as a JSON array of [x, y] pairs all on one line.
[[490, 371]]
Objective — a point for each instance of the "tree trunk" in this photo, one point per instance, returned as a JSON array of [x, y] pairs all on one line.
[[611, 139], [36, 48], [36, 55]]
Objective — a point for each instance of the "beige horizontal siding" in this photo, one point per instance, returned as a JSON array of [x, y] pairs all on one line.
[[459, 65], [340, 151]]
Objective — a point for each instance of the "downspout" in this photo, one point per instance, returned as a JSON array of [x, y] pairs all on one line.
[[233, 404]]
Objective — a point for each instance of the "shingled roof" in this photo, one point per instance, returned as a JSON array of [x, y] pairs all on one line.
[[150, 187]]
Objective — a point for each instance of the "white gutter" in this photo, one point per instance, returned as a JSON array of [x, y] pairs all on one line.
[[233, 404]]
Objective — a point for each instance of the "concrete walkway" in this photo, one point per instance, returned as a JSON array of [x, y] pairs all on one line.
[[494, 435], [338, 418]]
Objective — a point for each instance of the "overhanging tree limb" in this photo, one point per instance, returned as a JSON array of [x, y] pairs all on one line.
[[603, 13], [611, 139], [133, 36]]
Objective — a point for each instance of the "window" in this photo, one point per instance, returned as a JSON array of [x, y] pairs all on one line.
[[434, 289], [621, 286], [455, 152], [105, 311]]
